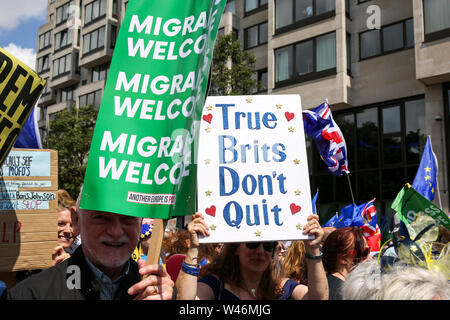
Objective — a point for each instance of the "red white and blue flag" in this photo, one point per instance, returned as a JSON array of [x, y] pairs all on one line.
[[320, 126]]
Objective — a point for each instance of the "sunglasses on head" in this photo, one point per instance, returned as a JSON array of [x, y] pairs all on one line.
[[268, 246]]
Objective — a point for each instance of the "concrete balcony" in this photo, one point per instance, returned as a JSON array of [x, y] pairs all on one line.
[[103, 53], [70, 77]]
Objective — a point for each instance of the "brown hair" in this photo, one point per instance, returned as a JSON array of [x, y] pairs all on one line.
[[295, 264], [343, 246], [65, 201], [227, 267], [176, 243]]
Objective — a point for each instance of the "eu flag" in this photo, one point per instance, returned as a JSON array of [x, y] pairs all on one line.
[[425, 181], [320, 126]]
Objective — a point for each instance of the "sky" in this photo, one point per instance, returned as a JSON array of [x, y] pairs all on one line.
[[19, 23]]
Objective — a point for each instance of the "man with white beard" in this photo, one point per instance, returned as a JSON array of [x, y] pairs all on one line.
[[101, 267]]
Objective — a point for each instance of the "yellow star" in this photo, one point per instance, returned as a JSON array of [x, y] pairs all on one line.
[[299, 226], [427, 177], [207, 161], [249, 100], [212, 227], [297, 192], [209, 108], [208, 129], [427, 169], [278, 106], [291, 129], [413, 248], [432, 190], [258, 233], [208, 193], [296, 161]]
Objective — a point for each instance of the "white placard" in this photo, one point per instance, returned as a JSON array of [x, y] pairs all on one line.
[[253, 180]]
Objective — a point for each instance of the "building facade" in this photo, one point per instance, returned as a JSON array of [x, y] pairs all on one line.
[[381, 64]]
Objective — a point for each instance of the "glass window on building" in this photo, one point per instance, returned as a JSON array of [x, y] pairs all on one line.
[[100, 72], [62, 65], [283, 13], [390, 38], [370, 43], [255, 35], [251, 6], [393, 37], [326, 52], [63, 12], [436, 15], [63, 39], [94, 10], [261, 76], [284, 65], [43, 63], [230, 6], [67, 94], [45, 40], [94, 40], [297, 13], [92, 98], [306, 60]]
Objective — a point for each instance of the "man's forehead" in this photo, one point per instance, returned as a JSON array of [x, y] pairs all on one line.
[[106, 213]]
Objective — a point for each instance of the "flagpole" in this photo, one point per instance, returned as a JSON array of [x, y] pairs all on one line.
[[437, 173], [350, 186]]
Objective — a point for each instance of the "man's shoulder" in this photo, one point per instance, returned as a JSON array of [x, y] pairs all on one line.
[[40, 283]]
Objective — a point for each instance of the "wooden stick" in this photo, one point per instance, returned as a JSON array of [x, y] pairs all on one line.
[[154, 249]]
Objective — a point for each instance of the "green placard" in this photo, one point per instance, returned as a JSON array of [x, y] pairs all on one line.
[[142, 157], [409, 203]]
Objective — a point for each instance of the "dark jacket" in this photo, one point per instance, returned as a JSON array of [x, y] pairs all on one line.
[[57, 283]]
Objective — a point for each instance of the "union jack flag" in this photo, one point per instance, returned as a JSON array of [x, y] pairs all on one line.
[[363, 216], [320, 126]]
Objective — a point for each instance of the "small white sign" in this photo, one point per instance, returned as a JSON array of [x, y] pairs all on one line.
[[253, 180], [26, 164]]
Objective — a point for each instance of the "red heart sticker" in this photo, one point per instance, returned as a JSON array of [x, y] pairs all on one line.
[[207, 117], [289, 116], [294, 208], [211, 211]]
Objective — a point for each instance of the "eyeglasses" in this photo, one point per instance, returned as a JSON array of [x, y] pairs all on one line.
[[268, 246]]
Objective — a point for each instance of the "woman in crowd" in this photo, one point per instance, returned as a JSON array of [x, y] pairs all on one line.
[[243, 271], [342, 250], [66, 236]]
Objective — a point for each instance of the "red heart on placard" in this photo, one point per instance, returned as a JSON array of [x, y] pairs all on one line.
[[294, 208], [289, 116], [207, 117], [211, 211]]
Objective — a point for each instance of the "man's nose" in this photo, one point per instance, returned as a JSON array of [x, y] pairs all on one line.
[[115, 227]]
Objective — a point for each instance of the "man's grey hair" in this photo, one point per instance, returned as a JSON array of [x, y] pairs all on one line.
[[413, 283], [363, 282]]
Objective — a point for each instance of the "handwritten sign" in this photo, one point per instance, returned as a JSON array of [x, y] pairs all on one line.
[[253, 181], [28, 209]]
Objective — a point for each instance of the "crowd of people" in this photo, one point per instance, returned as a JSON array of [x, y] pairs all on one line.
[[101, 255]]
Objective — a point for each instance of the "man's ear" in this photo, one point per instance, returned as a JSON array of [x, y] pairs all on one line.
[[75, 220]]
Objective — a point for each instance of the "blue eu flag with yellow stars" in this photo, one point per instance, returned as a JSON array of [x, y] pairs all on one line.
[[425, 181]]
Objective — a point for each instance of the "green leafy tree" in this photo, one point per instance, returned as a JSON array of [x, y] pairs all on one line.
[[71, 133], [232, 69]]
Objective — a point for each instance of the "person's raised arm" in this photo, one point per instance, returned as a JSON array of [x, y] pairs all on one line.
[[187, 288], [317, 279]]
